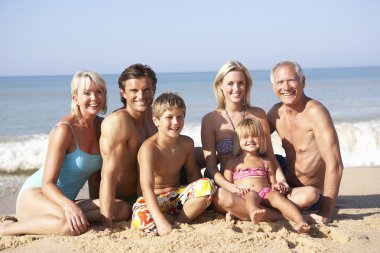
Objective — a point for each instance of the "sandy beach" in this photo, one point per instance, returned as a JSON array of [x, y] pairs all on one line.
[[356, 228]]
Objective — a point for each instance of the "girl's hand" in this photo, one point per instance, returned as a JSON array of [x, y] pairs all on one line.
[[241, 190], [282, 187], [75, 218]]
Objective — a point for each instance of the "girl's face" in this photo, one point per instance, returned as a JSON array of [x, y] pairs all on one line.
[[250, 143], [90, 99], [233, 86]]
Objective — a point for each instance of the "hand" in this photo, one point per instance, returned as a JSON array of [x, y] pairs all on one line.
[[240, 190], [282, 187], [76, 219], [164, 228]]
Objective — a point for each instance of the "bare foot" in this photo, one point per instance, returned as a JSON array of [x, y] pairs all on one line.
[[4, 225], [230, 219], [314, 218], [257, 215], [302, 227]]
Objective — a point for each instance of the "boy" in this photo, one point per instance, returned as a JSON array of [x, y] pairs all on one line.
[[161, 158]]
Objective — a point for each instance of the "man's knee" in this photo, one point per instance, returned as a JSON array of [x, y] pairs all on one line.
[[305, 196]]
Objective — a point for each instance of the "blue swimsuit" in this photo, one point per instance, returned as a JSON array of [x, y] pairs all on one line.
[[77, 167], [224, 146]]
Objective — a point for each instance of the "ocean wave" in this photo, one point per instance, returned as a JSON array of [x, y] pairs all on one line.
[[359, 144]]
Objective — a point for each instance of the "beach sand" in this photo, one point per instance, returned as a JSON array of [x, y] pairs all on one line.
[[356, 228]]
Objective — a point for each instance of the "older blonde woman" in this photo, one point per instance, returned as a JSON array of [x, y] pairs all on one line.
[[47, 202]]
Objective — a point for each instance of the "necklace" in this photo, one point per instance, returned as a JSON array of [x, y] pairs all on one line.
[[242, 113]]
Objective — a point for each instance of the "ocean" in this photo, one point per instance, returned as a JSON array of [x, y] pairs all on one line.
[[32, 105]]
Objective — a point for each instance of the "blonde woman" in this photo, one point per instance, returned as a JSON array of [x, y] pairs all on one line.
[[232, 88], [47, 201]]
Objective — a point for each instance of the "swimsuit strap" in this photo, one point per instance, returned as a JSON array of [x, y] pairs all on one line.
[[72, 129], [242, 113]]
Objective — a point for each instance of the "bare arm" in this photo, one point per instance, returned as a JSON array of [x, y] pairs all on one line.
[[209, 152], [228, 171], [328, 145], [268, 127], [112, 148], [192, 170], [59, 143], [146, 161]]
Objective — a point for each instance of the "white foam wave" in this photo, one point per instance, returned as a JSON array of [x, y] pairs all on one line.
[[359, 144], [23, 153]]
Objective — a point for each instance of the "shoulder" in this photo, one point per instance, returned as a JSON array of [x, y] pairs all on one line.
[[115, 122], [257, 112], [274, 111], [187, 141], [211, 116], [316, 110], [231, 164], [148, 146]]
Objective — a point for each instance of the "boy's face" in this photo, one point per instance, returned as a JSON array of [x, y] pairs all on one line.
[[171, 122]]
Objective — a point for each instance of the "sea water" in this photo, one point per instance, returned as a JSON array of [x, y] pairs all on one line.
[[32, 105]]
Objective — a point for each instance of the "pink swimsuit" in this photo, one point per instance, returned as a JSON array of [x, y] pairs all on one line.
[[253, 172], [250, 172]]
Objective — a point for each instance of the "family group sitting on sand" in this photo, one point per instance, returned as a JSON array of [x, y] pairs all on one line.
[[139, 166]]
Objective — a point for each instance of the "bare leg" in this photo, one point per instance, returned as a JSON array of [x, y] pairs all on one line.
[[253, 207], [37, 215], [288, 209], [91, 209], [192, 209], [304, 197], [225, 201]]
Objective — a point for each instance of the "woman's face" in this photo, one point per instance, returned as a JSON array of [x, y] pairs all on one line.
[[233, 86], [91, 100]]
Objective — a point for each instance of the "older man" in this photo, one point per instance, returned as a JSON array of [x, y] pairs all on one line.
[[313, 164]]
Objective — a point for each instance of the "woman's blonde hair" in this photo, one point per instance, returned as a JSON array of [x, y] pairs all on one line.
[[250, 127], [86, 79], [223, 71]]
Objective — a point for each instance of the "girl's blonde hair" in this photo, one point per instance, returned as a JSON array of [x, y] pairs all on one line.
[[223, 71], [250, 127], [86, 79]]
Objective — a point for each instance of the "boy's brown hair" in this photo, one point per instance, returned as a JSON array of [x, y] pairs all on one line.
[[167, 101]]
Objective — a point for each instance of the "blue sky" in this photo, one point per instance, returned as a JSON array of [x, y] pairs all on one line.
[[43, 37]]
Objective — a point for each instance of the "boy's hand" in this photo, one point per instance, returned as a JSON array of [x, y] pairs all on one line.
[[164, 228]]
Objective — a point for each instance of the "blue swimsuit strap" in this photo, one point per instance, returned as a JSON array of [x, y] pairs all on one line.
[[72, 129]]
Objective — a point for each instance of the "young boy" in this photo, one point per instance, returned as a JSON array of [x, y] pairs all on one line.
[[161, 158]]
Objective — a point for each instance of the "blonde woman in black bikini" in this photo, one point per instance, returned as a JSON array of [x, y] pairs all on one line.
[[232, 88], [249, 170]]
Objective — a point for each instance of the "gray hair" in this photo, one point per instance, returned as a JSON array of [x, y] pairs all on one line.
[[295, 65]]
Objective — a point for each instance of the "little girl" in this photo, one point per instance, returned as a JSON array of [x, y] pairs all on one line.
[[248, 170]]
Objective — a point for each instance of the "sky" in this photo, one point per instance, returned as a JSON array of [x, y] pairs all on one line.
[[44, 37]]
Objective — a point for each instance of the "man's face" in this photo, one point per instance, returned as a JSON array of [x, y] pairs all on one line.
[[287, 85], [138, 93]]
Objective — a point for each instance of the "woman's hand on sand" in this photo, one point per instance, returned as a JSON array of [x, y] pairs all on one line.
[[75, 218]]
